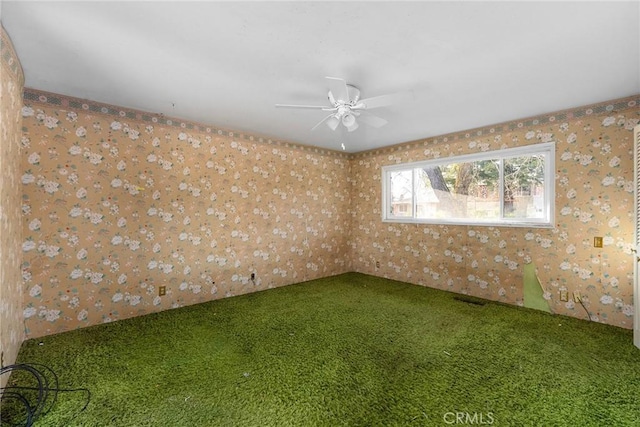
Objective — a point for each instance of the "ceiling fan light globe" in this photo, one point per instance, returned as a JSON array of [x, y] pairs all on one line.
[[353, 127], [333, 122], [348, 120]]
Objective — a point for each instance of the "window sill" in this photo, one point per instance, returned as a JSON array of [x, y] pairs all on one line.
[[520, 224]]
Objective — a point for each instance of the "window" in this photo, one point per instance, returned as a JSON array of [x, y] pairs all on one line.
[[512, 187]]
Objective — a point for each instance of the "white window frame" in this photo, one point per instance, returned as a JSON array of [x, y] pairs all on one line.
[[546, 149]]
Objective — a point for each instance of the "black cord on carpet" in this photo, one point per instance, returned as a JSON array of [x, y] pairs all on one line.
[[22, 405], [585, 309]]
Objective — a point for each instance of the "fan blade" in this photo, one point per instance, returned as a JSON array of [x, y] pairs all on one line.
[[316, 107], [321, 122], [384, 100], [338, 87], [372, 120]]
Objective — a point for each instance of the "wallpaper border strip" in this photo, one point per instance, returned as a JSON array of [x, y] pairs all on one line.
[[611, 106], [9, 56], [64, 101]]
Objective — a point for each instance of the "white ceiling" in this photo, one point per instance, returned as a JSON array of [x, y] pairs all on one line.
[[226, 64]]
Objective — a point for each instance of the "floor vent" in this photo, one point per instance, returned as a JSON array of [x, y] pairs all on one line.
[[470, 300]]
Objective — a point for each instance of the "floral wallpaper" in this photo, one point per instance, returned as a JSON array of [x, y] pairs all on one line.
[[11, 86], [118, 203], [594, 197]]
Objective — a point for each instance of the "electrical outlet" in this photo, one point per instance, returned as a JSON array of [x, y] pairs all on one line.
[[162, 291], [576, 296], [564, 295], [597, 242]]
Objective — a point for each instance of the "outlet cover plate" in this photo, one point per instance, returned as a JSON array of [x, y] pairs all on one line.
[[576, 296], [564, 295]]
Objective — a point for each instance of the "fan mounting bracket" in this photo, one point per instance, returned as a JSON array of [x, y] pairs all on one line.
[[354, 96]]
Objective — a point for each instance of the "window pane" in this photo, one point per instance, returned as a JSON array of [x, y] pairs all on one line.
[[524, 187], [401, 183], [427, 200], [483, 185], [458, 191]]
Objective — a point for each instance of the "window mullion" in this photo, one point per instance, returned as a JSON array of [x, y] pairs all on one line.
[[549, 184], [391, 200], [413, 194], [390, 196], [501, 186]]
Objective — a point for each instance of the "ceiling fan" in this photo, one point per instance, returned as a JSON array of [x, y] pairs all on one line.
[[347, 107]]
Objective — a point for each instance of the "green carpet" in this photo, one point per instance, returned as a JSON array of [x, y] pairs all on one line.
[[351, 350]]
